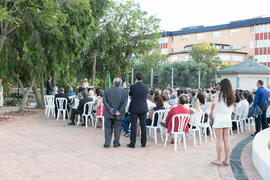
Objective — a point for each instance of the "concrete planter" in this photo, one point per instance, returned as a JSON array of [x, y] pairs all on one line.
[[261, 153]]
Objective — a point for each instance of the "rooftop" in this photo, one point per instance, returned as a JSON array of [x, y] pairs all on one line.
[[231, 25], [249, 66]]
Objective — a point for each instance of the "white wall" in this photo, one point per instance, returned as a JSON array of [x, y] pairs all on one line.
[[247, 81]]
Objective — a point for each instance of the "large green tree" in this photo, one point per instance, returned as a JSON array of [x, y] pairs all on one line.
[[17, 13], [125, 31], [186, 74], [205, 53], [153, 60], [49, 48]]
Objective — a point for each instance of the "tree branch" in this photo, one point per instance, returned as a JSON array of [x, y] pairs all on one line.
[[21, 23], [19, 81]]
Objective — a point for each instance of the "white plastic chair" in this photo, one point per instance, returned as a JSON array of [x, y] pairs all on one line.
[[101, 116], [49, 105], [204, 125], [238, 119], [160, 114], [87, 112], [61, 104], [196, 127], [251, 122], [183, 120]]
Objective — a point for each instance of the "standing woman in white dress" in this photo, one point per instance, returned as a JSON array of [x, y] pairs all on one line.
[[221, 112]]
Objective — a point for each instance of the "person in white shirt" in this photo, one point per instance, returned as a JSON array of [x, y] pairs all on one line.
[[207, 106], [85, 84], [196, 117], [244, 104], [150, 104]]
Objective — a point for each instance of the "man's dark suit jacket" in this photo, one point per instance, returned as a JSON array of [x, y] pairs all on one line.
[[82, 103], [115, 98], [138, 93], [49, 88]]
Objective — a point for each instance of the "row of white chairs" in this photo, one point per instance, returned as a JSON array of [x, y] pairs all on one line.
[[241, 119], [61, 104], [184, 120]]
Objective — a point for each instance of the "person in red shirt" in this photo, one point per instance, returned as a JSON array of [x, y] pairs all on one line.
[[180, 109]]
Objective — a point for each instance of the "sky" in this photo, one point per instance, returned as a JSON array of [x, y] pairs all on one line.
[[176, 14]]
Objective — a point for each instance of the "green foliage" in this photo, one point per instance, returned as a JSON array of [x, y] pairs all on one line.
[[205, 53], [153, 60], [125, 31], [223, 66], [203, 58], [186, 74]]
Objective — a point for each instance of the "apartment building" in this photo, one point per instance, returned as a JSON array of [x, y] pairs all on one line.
[[235, 41]]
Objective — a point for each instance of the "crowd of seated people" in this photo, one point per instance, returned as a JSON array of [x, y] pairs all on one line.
[[175, 101]]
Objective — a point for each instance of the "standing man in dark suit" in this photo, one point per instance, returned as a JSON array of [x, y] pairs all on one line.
[[115, 101], [138, 109], [49, 87]]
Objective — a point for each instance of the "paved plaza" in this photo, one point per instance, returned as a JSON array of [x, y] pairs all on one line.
[[34, 147]]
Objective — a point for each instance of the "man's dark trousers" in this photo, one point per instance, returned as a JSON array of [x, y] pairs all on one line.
[[110, 125], [134, 119], [261, 121]]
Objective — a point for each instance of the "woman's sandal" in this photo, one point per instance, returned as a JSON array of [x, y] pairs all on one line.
[[226, 163], [216, 163]]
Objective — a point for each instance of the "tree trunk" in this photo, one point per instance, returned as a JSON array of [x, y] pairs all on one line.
[[24, 101], [37, 96], [94, 69], [42, 90], [2, 40], [25, 93]]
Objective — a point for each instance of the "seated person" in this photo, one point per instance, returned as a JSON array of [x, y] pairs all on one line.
[[82, 102], [61, 95], [159, 106], [100, 111], [180, 109], [94, 99], [71, 93], [165, 100], [150, 104], [208, 104], [195, 118], [74, 109]]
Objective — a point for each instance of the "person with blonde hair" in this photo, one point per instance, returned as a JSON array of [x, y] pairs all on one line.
[[196, 117]]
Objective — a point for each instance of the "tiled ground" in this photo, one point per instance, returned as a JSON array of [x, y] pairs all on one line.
[[35, 147]]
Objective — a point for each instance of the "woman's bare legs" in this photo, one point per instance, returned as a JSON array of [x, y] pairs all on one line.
[[220, 143], [227, 148]]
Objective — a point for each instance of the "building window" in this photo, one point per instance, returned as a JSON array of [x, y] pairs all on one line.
[[233, 31], [186, 38], [172, 39], [164, 51], [200, 36], [237, 58], [173, 58], [251, 45], [216, 34], [172, 50], [252, 31], [225, 57]]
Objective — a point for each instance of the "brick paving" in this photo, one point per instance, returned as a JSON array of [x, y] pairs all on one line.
[[35, 147]]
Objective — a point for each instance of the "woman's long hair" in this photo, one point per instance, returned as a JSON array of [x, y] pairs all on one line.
[[158, 101], [227, 92]]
